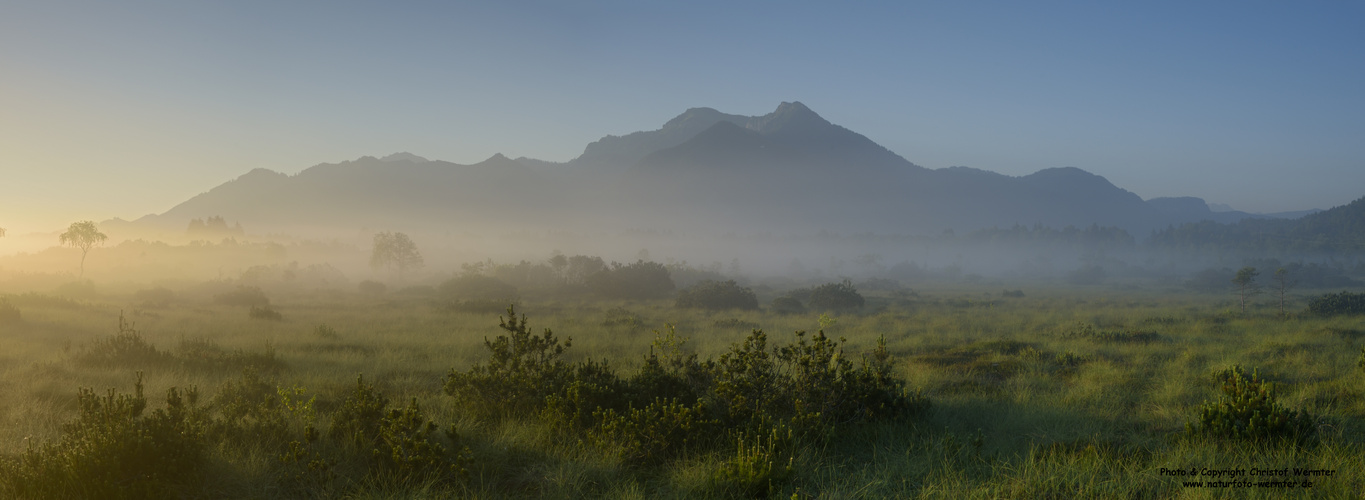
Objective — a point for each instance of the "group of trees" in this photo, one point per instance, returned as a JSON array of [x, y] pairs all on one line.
[[1245, 286], [214, 226]]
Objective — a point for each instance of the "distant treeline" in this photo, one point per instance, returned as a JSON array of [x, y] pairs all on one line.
[[1339, 231]]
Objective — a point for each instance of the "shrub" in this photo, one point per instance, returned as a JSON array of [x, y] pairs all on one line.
[[788, 305], [477, 294], [661, 430], [125, 348], [113, 451], [523, 369], [641, 280], [371, 287], [405, 447], [759, 466], [266, 313], [1248, 410], [326, 332], [360, 415], [243, 296], [1332, 304], [718, 295], [204, 355], [837, 297]]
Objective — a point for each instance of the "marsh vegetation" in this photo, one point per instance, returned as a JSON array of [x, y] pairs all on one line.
[[951, 391]]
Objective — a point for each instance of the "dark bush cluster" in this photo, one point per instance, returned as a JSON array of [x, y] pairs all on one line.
[[641, 280], [265, 312], [477, 293], [1332, 304], [753, 397], [112, 450], [1249, 411], [836, 297], [718, 295], [788, 305]]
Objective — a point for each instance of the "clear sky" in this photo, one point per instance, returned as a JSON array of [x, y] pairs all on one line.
[[119, 109]]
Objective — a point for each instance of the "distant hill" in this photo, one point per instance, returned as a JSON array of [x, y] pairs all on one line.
[[1334, 231], [789, 170]]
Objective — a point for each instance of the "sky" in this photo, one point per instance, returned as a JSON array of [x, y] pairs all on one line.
[[121, 109]]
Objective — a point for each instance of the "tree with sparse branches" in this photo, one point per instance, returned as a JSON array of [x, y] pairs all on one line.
[[83, 235], [1283, 283], [1244, 283], [396, 252]]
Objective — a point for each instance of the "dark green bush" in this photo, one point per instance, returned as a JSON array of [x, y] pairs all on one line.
[[734, 323], [243, 296], [788, 305], [405, 447], [371, 287], [641, 280], [266, 313], [204, 355], [836, 297], [113, 451], [1332, 304], [253, 413], [717, 295], [523, 369], [126, 348], [360, 415], [1249, 411]]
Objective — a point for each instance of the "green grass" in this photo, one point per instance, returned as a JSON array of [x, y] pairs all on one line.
[[1025, 404]]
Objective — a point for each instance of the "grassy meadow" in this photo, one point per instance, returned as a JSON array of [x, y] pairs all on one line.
[[1065, 392]]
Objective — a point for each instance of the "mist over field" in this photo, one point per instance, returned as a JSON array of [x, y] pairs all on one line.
[[601, 250]]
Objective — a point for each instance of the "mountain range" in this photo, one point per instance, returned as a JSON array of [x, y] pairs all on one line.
[[787, 171]]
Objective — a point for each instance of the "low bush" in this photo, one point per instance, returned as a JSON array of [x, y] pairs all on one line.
[[641, 280], [1249, 411], [112, 450], [266, 313], [126, 348], [371, 287], [1332, 304], [836, 297], [788, 305], [717, 295]]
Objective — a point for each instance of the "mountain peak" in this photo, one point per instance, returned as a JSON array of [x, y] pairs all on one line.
[[791, 118], [404, 156]]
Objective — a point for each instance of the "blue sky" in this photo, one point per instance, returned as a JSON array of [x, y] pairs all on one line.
[[119, 109]]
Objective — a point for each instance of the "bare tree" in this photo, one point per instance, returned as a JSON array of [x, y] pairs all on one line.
[[1283, 284], [1244, 283], [83, 235], [396, 252]]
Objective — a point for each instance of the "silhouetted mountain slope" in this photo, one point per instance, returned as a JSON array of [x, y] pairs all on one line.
[[1337, 230], [789, 170]]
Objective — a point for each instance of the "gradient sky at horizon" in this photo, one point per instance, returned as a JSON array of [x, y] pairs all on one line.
[[120, 109]]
